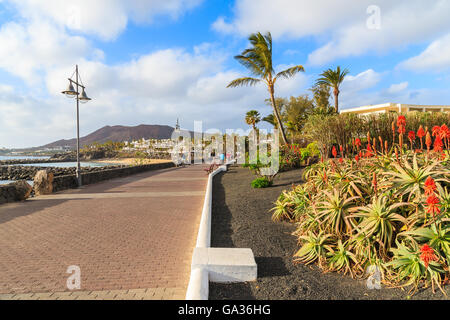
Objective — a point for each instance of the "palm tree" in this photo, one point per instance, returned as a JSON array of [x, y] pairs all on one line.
[[258, 59], [252, 118], [270, 119], [333, 79]]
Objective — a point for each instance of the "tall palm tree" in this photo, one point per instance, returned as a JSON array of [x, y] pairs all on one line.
[[258, 60], [333, 79], [252, 118]]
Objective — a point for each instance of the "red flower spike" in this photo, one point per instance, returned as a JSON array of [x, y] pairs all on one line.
[[334, 152], [427, 255], [421, 132], [411, 135], [358, 142], [436, 131], [401, 121], [433, 205], [374, 182], [430, 186], [428, 141], [357, 158], [438, 144]]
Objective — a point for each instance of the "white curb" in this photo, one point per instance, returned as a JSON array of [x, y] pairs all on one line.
[[216, 264]]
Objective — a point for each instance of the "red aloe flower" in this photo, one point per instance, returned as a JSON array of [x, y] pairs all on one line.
[[369, 152], [341, 160], [427, 255], [401, 129], [358, 143], [411, 137], [401, 121], [428, 141], [430, 186], [433, 205], [438, 144], [334, 152], [357, 158], [421, 134], [436, 131], [375, 183]]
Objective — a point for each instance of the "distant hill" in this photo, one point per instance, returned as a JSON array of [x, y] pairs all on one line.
[[117, 134]]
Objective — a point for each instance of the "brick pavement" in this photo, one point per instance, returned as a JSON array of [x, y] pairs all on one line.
[[132, 238]]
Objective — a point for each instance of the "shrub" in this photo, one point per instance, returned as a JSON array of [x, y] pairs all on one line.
[[262, 182], [343, 129], [313, 150], [387, 207]]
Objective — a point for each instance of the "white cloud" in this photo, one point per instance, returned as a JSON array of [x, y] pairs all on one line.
[[30, 48], [341, 26], [103, 18], [362, 81], [355, 87], [285, 17], [398, 87], [436, 57]]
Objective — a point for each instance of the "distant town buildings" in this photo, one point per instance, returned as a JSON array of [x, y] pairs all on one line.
[[396, 107]]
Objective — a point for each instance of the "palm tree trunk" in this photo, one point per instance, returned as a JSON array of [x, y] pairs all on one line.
[[277, 115], [336, 101]]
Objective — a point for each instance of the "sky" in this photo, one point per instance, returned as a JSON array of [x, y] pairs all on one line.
[[153, 61]]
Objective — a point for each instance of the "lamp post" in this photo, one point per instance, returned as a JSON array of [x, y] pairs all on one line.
[[70, 92]]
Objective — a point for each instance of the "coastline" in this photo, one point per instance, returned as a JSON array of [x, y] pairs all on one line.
[[129, 161]]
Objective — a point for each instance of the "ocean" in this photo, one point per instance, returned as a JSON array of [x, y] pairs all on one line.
[[21, 157]]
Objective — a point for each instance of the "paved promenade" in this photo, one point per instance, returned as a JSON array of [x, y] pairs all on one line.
[[131, 237]]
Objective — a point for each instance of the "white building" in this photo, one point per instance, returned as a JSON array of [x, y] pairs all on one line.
[[396, 107]]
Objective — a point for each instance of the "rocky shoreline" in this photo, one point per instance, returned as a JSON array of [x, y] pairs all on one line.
[[13, 172]]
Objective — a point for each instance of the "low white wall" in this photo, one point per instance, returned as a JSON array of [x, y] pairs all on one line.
[[198, 287], [204, 232]]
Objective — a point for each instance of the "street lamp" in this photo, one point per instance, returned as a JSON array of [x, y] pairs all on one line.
[[72, 92]]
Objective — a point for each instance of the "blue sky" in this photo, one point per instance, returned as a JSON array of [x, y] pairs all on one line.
[[153, 61]]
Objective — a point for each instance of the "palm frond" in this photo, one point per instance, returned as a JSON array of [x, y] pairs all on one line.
[[241, 82], [288, 73]]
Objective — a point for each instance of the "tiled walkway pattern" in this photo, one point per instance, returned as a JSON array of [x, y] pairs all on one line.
[[131, 237]]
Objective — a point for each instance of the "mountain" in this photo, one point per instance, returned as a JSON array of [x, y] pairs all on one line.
[[118, 134]]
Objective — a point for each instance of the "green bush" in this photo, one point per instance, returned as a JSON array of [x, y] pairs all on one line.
[[341, 129], [262, 182], [313, 150]]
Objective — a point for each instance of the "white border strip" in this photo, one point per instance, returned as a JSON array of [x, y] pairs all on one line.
[[198, 288], [204, 232]]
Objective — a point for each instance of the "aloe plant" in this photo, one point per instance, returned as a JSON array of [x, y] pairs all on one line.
[[379, 220], [315, 247]]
